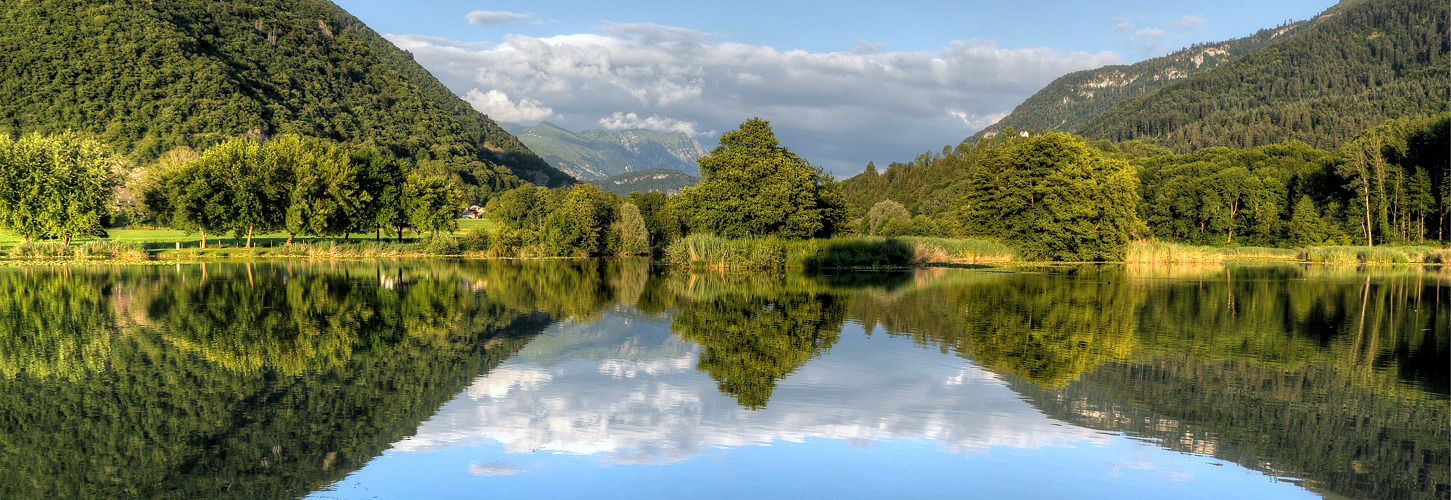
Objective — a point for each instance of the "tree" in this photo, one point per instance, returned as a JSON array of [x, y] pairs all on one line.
[[382, 177], [254, 187], [1053, 197], [579, 223], [1305, 225], [328, 197], [751, 186], [198, 199], [628, 234], [432, 202], [883, 212], [56, 186], [660, 217]]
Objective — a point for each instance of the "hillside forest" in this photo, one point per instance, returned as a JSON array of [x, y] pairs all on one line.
[[1050, 196]]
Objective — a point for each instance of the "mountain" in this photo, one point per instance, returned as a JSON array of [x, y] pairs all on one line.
[[1071, 100], [664, 180], [1321, 82], [151, 76], [598, 154], [1355, 66]]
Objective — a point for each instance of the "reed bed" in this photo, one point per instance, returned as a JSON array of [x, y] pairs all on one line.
[[959, 251], [1376, 255]]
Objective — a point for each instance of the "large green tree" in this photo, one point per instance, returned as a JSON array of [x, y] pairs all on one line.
[[1053, 197], [752, 186], [54, 187]]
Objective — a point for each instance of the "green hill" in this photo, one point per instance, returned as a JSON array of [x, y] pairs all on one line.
[[151, 76], [599, 154], [1355, 66], [1073, 99], [664, 180]]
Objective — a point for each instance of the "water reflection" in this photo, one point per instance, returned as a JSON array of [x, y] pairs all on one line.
[[264, 380]]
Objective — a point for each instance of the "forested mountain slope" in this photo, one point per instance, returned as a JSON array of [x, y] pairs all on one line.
[[1354, 67], [1077, 97], [151, 76], [664, 180]]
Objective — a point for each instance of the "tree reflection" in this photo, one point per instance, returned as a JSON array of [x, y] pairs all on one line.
[[250, 381], [758, 334]]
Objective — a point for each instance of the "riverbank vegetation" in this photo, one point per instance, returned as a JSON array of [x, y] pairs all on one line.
[[1050, 197]]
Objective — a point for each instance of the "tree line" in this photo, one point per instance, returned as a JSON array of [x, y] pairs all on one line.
[[751, 187], [298, 185], [1390, 184]]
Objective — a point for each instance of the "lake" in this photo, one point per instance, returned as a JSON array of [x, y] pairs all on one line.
[[616, 378]]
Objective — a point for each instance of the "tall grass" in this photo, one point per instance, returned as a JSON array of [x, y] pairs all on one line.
[[112, 249], [705, 251], [959, 251], [1163, 252], [1376, 255], [42, 250]]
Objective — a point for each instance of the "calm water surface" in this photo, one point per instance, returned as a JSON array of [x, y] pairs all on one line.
[[618, 379]]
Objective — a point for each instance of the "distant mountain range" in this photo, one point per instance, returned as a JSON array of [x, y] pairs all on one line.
[[1321, 82], [668, 181], [149, 77], [599, 154]]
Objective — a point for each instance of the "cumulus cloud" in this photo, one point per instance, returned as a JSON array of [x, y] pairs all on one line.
[[621, 121], [497, 105], [1124, 27], [492, 17], [837, 109]]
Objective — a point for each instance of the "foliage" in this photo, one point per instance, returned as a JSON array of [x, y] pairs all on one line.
[[151, 77], [882, 213], [1349, 69], [752, 187], [1052, 197], [1073, 99], [749, 342], [55, 187], [628, 234], [431, 203]]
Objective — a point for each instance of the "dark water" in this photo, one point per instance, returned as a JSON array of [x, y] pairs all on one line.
[[618, 379]]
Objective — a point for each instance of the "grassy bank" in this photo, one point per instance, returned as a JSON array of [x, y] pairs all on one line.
[[711, 252], [1160, 252]]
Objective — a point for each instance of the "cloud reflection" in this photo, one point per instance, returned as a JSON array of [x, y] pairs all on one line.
[[659, 410]]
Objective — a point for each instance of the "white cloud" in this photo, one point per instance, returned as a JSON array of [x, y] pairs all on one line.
[[1149, 41], [492, 17], [497, 105], [1124, 27], [1187, 23], [621, 121], [837, 109]]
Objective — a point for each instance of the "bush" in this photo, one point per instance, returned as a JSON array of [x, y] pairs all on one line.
[[442, 245], [475, 240]]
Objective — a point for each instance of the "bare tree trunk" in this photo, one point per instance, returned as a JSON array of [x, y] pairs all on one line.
[[204, 239], [249, 236]]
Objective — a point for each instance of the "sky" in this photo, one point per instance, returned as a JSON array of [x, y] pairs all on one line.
[[842, 83]]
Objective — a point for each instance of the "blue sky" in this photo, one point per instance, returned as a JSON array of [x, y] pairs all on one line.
[[843, 83]]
